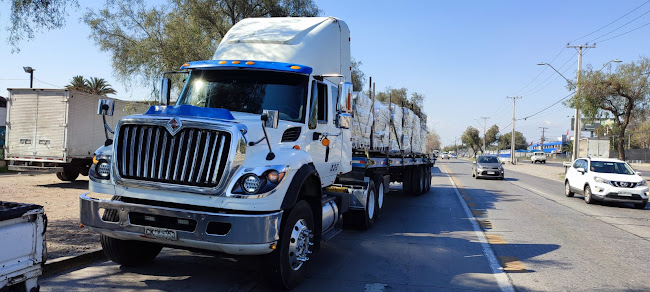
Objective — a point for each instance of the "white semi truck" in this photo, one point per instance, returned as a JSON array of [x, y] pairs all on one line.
[[255, 158]]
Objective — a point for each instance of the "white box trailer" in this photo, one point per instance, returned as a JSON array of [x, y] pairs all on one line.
[[55, 130]]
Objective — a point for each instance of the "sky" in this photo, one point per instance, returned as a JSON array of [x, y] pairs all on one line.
[[466, 57]]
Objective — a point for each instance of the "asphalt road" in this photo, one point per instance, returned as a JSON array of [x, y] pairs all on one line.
[[543, 240], [421, 243], [550, 242]]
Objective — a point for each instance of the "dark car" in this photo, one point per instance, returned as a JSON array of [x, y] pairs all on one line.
[[487, 166]]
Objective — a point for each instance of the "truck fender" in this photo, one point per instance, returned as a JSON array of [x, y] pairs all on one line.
[[307, 177]]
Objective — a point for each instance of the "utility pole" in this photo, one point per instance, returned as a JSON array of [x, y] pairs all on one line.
[[576, 130], [512, 138], [484, 133], [542, 144]]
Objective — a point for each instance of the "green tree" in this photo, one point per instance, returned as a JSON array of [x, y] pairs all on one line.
[[146, 40], [492, 134], [358, 77], [28, 17], [472, 139], [433, 141], [624, 93], [641, 136], [520, 141], [94, 85], [78, 83]]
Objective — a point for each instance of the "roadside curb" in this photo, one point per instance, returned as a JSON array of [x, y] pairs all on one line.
[[61, 264]]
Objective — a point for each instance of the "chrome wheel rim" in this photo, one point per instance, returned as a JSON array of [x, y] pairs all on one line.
[[371, 204], [587, 195], [299, 243]]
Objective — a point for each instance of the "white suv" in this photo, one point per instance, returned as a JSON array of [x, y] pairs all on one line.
[[538, 157], [604, 179]]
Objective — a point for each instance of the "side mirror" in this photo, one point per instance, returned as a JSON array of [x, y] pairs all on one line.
[[345, 97], [580, 169], [105, 107], [165, 89], [639, 174], [272, 118], [343, 120]]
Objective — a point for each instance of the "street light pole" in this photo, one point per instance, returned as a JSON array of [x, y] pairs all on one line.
[[576, 132], [30, 70], [484, 133]]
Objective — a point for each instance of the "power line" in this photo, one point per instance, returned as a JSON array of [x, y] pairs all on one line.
[[626, 14], [629, 31], [542, 110], [530, 91], [540, 73], [594, 40], [47, 83]]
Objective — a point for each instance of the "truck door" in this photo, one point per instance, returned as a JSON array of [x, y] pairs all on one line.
[[21, 126], [319, 128], [51, 124], [335, 134]]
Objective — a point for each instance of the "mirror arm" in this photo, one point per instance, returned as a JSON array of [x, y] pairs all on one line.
[[271, 155]]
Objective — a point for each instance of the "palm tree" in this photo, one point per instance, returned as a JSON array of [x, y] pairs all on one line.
[[99, 86], [94, 85], [78, 83]]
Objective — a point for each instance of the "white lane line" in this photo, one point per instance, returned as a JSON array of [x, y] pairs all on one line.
[[502, 278]]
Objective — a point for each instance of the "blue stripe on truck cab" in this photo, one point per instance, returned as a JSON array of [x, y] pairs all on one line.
[[265, 65]]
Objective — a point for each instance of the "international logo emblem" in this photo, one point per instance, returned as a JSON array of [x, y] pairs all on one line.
[[174, 126]]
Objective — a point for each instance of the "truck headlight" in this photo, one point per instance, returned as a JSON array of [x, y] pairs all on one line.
[[251, 184], [103, 169]]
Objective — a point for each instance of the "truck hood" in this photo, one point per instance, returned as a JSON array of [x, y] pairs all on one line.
[[251, 121]]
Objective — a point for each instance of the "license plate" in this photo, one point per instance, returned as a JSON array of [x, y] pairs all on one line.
[[491, 172], [160, 233], [625, 194]]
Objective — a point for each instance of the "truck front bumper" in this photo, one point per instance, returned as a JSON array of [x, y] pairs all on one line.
[[241, 234]]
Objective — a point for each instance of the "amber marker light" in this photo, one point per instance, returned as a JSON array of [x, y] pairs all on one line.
[[295, 67], [273, 246], [236, 62], [250, 63], [297, 147], [185, 65], [326, 142], [95, 161], [222, 62]]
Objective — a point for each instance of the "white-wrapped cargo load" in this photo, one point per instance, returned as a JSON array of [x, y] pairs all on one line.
[[404, 135], [396, 134], [361, 121], [381, 133], [423, 138]]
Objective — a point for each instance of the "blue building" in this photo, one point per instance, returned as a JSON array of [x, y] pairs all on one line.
[[549, 147]]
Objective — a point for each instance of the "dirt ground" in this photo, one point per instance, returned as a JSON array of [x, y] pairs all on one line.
[[60, 199]]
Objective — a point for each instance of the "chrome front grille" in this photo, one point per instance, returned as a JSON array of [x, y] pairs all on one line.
[[193, 157], [622, 184]]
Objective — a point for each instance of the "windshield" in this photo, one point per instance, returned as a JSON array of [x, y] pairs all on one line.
[[248, 91], [488, 159], [611, 167]]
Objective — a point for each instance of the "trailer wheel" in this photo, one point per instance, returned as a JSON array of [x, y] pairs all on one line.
[[381, 187], [417, 181], [288, 261], [427, 178], [127, 252], [406, 181], [68, 174]]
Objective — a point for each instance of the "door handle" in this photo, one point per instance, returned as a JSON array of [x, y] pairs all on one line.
[[316, 136]]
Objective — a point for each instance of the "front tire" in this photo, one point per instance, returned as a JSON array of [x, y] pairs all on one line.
[[381, 187], [288, 261], [128, 253], [589, 198], [567, 189]]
